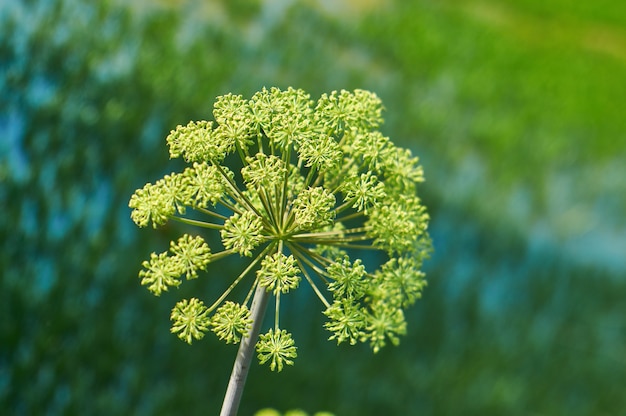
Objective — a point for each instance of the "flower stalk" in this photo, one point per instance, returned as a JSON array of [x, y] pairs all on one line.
[[238, 376]]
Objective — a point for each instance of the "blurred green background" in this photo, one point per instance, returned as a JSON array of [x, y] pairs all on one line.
[[516, 109]]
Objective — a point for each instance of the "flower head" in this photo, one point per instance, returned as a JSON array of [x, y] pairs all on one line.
[[365, 191], [242, 232], [190, 319], [311, 184], [349, 279], [200, 185], [279, 273], [313, 208], [160, 273], [192, 254], [196, 142], [277, 347], [347, 320], [231, 321], [155, 203]]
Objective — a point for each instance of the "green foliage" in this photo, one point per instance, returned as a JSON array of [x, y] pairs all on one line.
[[285, 205], [502, 100]]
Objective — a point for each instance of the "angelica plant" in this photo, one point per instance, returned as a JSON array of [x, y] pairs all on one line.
[[300, 188]]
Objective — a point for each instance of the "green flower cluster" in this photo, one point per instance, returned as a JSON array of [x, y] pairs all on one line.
[[316, 183]]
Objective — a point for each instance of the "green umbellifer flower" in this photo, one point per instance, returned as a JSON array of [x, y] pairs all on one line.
[[192, 253], [316, 185], [279, 273], [190, 319], [277, 347], [347, 320], [242, 232], [161, 272], [231, 321]]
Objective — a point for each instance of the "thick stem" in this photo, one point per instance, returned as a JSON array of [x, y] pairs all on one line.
[[244, 355]]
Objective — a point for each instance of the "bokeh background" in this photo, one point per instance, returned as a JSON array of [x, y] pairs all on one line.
[[515, 107]]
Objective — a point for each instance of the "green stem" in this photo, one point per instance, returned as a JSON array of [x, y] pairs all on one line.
[[317, 257], [350, 216], [354, 246], [298, 252], [237, 381], [197, 223], [236, 192], [211, 213], [329, 234], [332, 240], [277, 312], [309, 177], [344, 206], [308, 278], [241, 276]]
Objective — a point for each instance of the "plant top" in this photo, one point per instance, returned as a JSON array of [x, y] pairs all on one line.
[[311, 185]]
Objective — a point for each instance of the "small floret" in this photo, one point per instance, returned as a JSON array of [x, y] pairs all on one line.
[[277, 347], [192, 254], [190, 319], [161, 272], [231, 321], [242, 232], [279, 273]]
